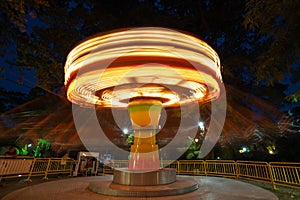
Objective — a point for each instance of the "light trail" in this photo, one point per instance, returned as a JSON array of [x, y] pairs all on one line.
[[109, 70]]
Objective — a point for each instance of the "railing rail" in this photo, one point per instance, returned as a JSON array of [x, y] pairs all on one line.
[[254, 170], [15, 166], [225, 168], [11, 167], [275, 173], [285, 173]]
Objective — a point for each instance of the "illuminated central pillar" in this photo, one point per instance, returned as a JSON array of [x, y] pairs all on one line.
[[144, 115]]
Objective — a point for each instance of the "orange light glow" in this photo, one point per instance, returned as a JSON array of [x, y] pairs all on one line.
[[144, 115], [151, 62]]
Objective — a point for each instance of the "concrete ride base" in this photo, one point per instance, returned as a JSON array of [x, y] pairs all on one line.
[[210, 188], [181, 186]]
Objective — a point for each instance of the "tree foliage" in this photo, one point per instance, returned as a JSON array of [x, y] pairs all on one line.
[[277, 25], [256, 40], [10, 99]]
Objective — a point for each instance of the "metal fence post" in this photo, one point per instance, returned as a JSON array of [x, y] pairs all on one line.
[[71, 167], [46, 171], [271, 177], [31, 170], [205, 165], [237, 170]]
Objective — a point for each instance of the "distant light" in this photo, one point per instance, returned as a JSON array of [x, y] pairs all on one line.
[[19, 175], [84, 154], [218, 158], [29, 145], [271, 149], [244, 149], [196, 140], [125, 131], [201, 125]]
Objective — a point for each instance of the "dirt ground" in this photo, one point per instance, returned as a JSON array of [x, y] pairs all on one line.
[[10, 185]]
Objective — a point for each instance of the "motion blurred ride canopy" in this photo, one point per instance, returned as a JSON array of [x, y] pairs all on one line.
[[157, 63]]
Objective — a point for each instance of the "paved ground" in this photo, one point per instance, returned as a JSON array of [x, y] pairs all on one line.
[[9, 185], [76, 188]]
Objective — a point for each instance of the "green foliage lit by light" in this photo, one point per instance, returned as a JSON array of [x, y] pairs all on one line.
[[193, 150], [41, 148], [17, 151], [294, 98], [37, 152], [129, 140], [23, 151]]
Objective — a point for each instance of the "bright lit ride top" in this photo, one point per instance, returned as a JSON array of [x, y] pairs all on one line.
[[147, 63]]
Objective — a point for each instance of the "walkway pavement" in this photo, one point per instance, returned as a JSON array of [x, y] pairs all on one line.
[[12, 184], [212, 188]]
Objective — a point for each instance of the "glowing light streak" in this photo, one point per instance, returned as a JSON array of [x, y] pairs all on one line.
[[109, 70]]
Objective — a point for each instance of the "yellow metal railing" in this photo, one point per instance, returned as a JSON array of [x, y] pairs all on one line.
[[169, 164], [226, 168], [62, 166], [11, 167], [253, 170], [285, 173], [275, 173], [191, 167]]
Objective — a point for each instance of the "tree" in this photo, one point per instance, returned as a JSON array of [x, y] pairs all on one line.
[[10, 99], [44, 32], [14, 16], [43, 42], [277, 24], [257, 41]]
